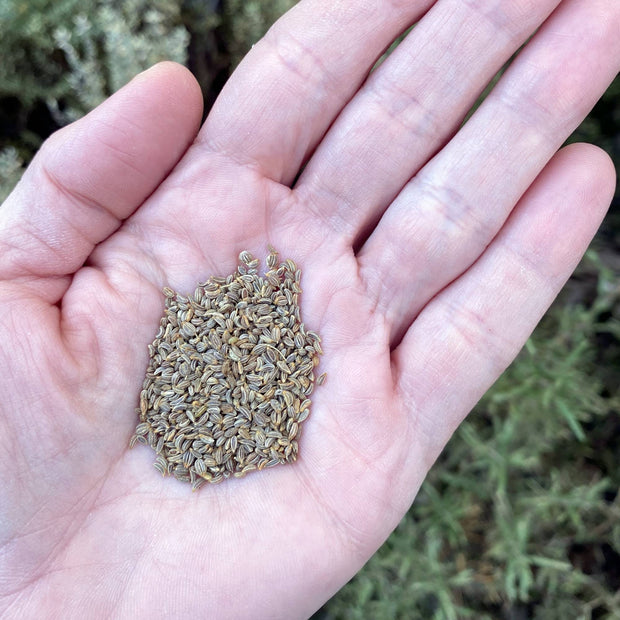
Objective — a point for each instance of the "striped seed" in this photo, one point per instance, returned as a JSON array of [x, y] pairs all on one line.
[[229, 377]]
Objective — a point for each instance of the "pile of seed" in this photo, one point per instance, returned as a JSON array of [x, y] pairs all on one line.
[[229, 375]]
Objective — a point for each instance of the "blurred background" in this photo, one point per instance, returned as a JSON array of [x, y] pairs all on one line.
[[520, 517]]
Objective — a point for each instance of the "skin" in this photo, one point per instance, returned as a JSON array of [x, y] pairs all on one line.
[[429, 253]]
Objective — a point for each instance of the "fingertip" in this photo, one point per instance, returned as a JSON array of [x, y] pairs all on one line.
[[176, 84], [593, 169]]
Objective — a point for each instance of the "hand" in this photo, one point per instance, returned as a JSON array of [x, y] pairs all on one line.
[[429, 252]]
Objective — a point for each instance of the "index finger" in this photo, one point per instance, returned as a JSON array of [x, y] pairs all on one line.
[[290, 87]]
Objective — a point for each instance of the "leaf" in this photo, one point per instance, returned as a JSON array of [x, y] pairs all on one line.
[[574, 424]]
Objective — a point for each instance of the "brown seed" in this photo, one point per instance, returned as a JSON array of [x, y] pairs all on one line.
[[230, 372]]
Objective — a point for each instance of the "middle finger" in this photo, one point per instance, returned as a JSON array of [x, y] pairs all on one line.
[[410, 106]]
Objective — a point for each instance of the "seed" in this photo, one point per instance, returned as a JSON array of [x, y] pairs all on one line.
[[245, 257], [197, 484], [229, 375], [161, 465]]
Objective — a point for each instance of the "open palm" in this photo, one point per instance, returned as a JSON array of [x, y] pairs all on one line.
[[428, 253]]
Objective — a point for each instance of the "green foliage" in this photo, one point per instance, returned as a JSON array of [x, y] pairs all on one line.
[[10, 171], [30, 68], [72, 55], [107, 47], [521, 500]]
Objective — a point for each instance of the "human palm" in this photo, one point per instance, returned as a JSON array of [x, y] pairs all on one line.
[[428, 255]]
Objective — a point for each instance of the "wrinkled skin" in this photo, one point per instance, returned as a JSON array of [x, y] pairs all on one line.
[[429, 249]]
